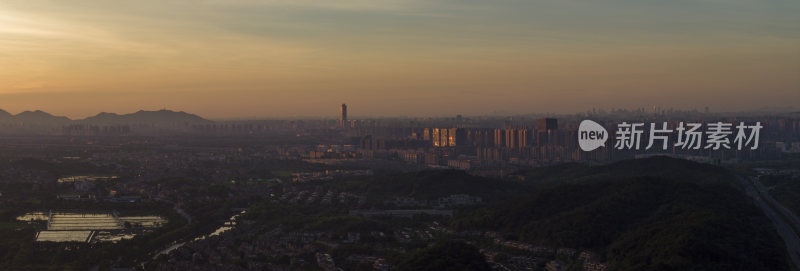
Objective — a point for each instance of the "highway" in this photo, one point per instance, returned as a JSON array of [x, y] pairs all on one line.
[[795, 221], [784, 227]]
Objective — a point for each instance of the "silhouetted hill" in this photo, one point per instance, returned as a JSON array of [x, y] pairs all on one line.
[[151, 117], [141, 122], [645, 214], [140, 117], [657, 166], [38, 116]]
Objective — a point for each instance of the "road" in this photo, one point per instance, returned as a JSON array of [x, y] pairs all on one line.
[[793, 219], [784, 228]]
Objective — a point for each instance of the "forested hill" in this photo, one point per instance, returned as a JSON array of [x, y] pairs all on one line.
[[658, 166], [647, 214]]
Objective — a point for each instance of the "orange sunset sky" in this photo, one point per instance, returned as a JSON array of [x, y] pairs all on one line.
[[302, 58]]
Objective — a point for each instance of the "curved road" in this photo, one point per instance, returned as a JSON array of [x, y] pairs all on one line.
[[785, 229], [793, 219]]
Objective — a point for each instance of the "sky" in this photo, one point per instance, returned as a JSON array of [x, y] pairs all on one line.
[[303, 58]]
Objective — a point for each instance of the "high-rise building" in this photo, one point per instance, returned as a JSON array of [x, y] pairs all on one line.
[[343, 116], [546, 131], [447, 137], [499, 138]]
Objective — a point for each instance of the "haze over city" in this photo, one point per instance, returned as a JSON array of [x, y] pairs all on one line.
[[272, 59], [400, 135]]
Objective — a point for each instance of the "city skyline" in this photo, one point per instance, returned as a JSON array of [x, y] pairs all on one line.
[[278, 59], [344, 118], [398, 135]]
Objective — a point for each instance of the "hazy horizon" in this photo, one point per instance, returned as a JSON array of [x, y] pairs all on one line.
[[368, 116], [282, 59]]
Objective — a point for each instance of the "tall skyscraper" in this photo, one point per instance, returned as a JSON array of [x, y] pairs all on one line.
[[343, 116]]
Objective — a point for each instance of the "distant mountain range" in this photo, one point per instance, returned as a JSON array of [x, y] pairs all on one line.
[[151, 117], [141, 116]]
